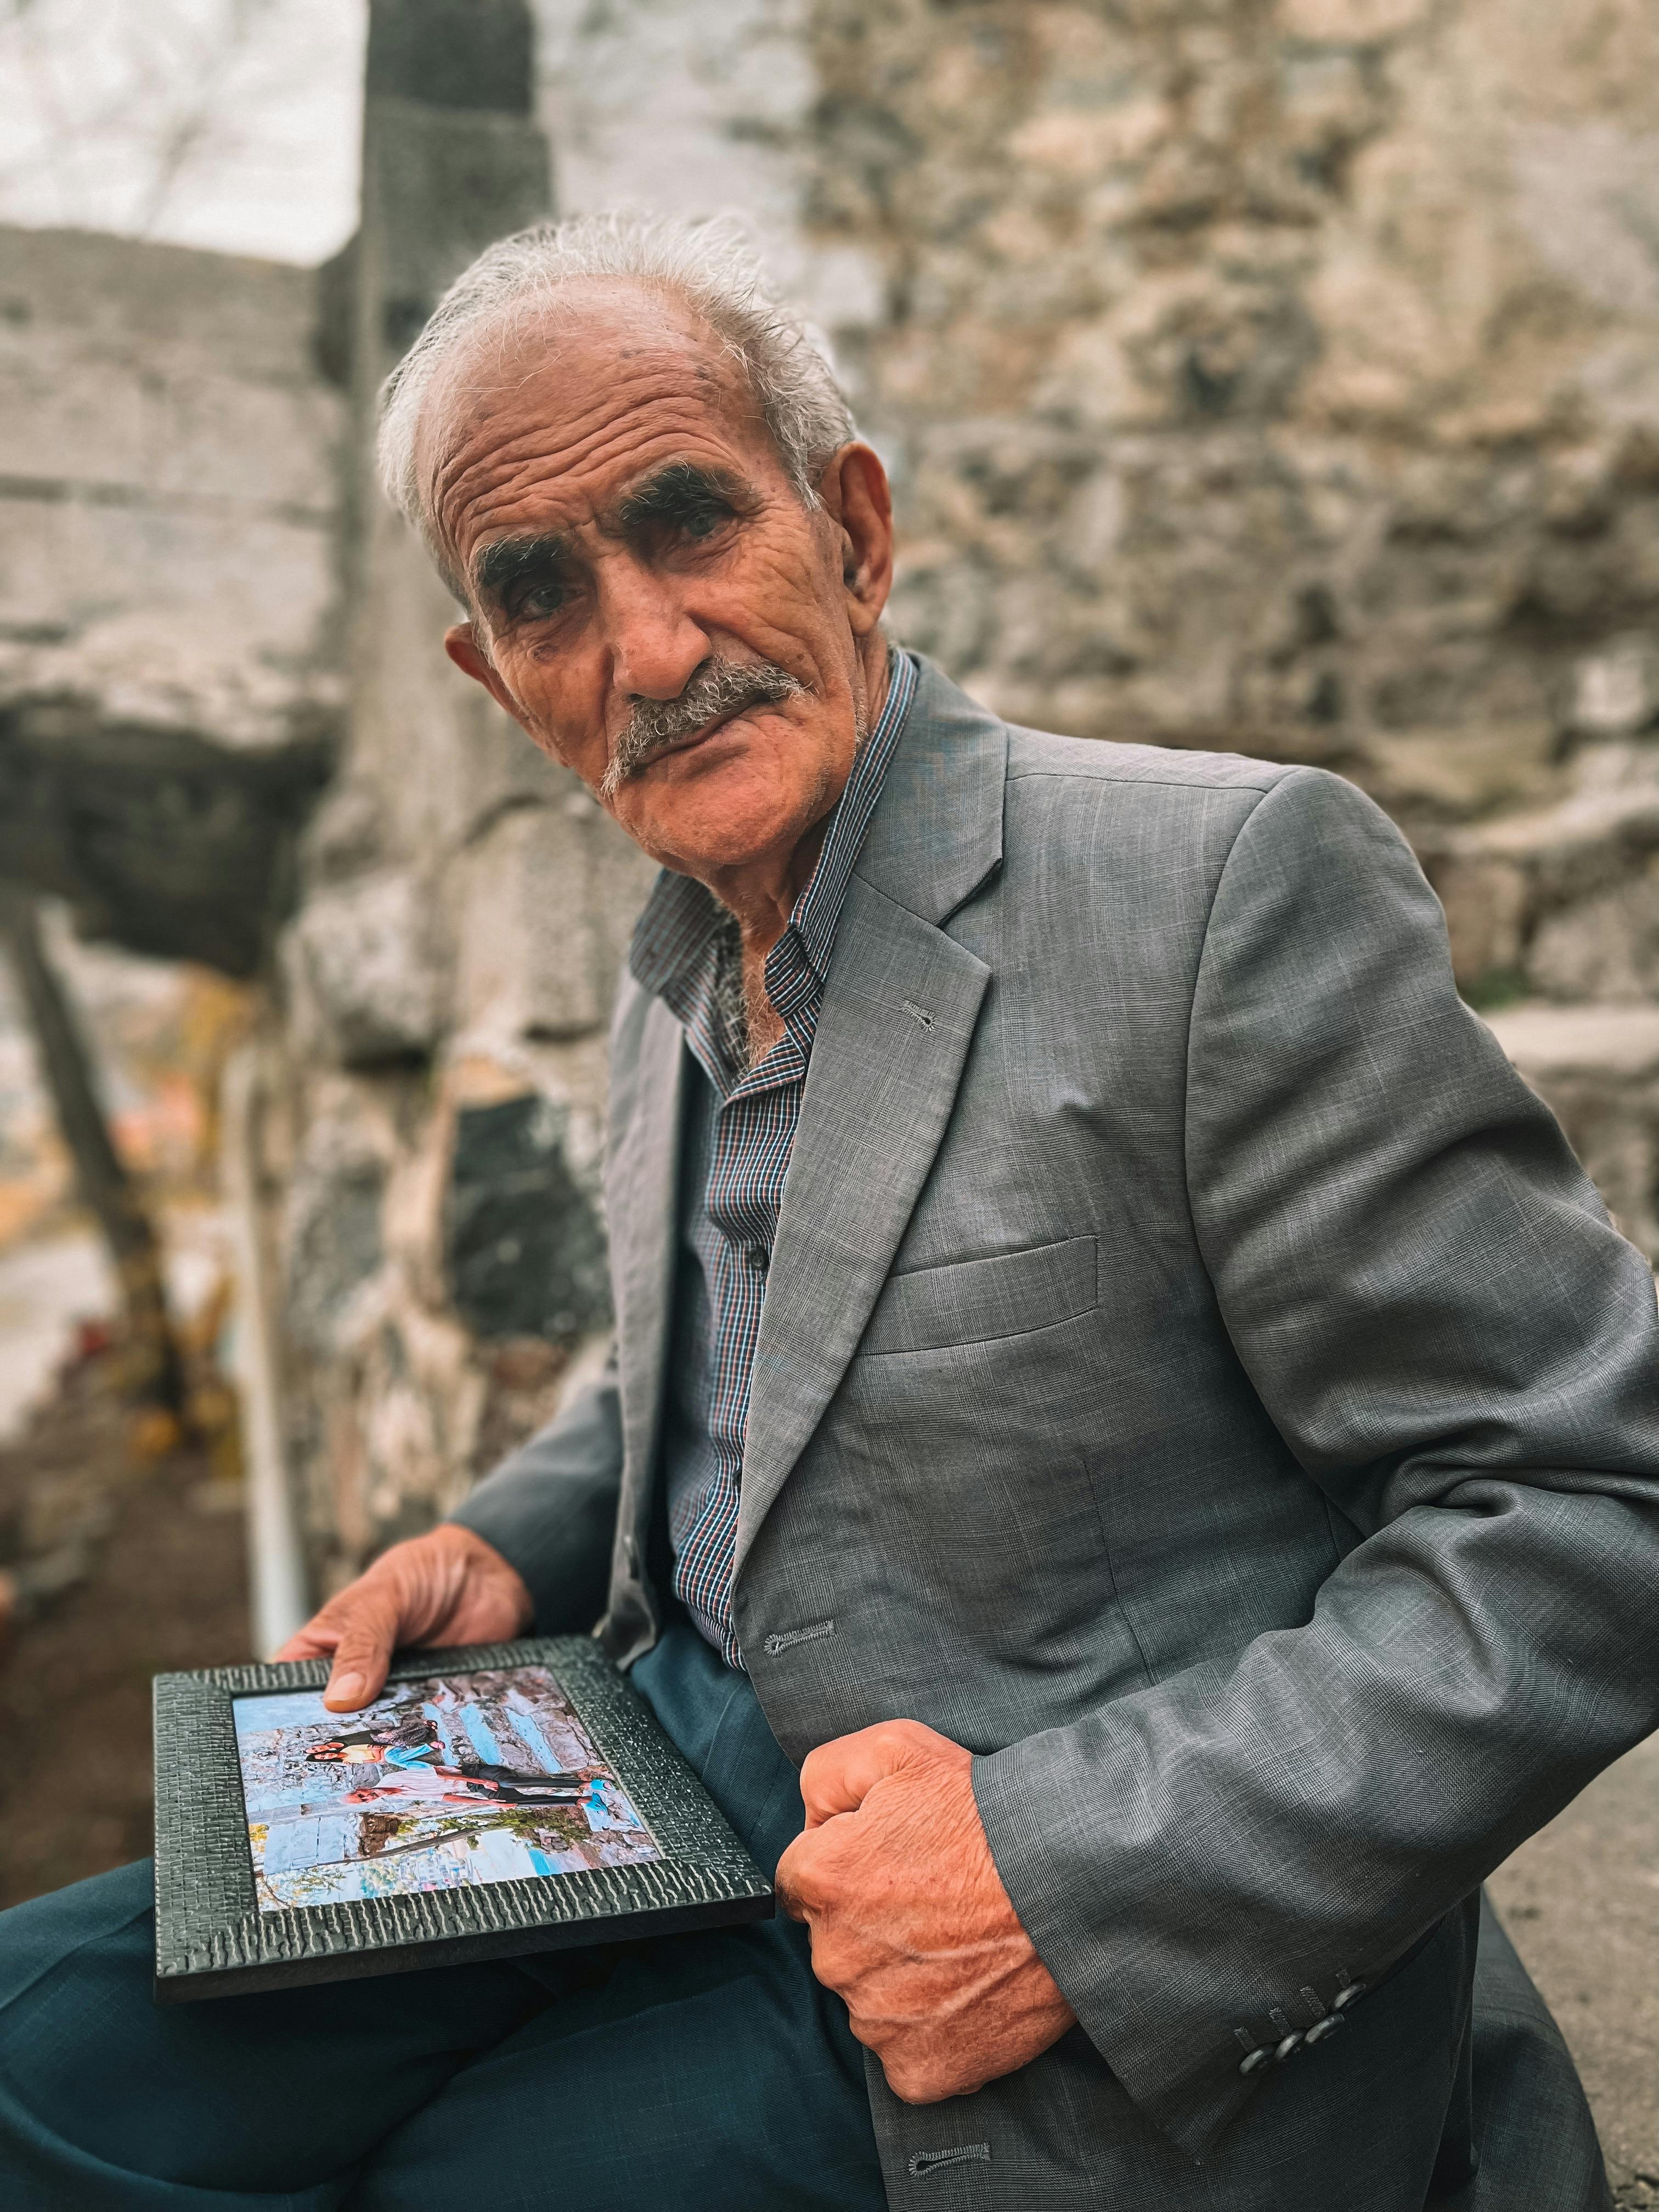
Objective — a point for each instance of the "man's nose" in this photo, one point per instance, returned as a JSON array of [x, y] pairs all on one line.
[[656, 647]]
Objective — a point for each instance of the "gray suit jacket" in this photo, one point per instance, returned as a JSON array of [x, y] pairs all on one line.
[[1195, 1375]]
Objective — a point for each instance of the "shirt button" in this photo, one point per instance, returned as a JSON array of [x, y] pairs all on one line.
[[1344, 1998], [1256, 2059], [1321, 2028], [758, 1257], [1289, 2047]]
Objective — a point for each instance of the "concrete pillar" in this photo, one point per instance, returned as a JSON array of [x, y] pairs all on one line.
[[452, 159], [464, 908]]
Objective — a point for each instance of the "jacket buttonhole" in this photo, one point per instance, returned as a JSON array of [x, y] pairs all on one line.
[[776, 1642], [924, 2162], [919, 1013]]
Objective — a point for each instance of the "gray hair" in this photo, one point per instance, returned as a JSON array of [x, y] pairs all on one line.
[[708, 266]]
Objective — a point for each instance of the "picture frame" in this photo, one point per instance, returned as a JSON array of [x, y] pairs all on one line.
[[221, 1931]]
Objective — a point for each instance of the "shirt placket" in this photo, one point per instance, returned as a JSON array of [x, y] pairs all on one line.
[[755, 1124], [754, 1133]]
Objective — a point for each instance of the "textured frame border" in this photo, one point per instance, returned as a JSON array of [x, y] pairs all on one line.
[[212, 1940]]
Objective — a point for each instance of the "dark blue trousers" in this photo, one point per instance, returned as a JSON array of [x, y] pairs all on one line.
[[667, 2077]]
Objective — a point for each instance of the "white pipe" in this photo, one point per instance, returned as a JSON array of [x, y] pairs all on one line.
[[277, 1597]]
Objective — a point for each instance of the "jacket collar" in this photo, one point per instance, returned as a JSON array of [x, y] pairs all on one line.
[[879, 1091], [893, 1038], [936, 835]]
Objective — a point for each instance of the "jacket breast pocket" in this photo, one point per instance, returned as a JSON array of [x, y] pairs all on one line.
[[976, 1301]]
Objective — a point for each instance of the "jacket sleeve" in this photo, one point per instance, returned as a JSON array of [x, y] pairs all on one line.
[[1428, 1297], [550, 1509]]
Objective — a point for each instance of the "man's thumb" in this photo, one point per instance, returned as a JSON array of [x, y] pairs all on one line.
[[840, 1775], [360, 1659]]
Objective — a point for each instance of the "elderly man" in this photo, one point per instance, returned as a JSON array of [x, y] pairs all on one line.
[[1116, 1381]]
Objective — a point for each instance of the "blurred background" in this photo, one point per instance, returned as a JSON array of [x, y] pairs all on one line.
[[1275, 376]]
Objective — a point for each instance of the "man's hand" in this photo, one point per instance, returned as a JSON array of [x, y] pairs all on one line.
[[446, 1587], [910, 1923]]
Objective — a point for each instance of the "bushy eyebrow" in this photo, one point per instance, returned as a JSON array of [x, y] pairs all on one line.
[[508, 561], [677, 493]]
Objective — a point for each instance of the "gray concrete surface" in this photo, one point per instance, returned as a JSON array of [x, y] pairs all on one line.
[[1581, 1900]]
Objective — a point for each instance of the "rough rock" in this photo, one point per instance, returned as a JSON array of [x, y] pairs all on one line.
[[525, 1251], [1615, 691], [539, 896], [367, 970], [332, 1242], [170, 680], [1605, 948], [1560, 897]]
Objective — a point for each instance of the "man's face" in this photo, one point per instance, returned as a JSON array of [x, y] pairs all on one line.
[[629, 535]]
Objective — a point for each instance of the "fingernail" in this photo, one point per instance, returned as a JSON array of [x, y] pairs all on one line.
[[346, 1690]]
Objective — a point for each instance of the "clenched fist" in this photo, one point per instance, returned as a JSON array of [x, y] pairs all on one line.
[[446, 1587], [910, 1923]]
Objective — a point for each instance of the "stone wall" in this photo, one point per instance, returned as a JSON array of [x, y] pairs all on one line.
[[427, 1115], [1278, 377], [170, 657], [1281, 377], [169, 669], [1285, 379]]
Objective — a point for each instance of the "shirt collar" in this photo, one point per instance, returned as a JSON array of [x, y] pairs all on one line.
[[674, 937], [817, 910]]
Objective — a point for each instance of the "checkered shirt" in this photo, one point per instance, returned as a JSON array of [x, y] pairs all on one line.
[[740, 1131]]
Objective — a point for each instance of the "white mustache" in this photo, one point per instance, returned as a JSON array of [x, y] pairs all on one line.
[[720, 687]]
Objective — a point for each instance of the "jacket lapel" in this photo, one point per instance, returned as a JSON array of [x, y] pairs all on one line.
[[640, 1199], [892, 1039]]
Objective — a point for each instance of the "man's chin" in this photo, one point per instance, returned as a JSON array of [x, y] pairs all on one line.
[[708, 811]]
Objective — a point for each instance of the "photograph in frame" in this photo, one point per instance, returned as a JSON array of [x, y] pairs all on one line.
[[492, 1800], [442, 1783]]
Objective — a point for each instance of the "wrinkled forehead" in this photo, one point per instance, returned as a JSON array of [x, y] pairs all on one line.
[[594, 382]]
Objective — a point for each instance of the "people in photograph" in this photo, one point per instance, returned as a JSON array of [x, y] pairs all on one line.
[[397, 1755], [412, 1757], [407, 1756], [359, 1752], [410, 1794], [496, 1776], [1130, 1465], [415, 1735], [463, 1786]]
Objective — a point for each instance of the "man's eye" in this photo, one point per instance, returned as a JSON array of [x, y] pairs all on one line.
[[704, 521], [538, 602]]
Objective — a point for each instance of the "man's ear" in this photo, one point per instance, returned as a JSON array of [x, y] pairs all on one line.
[[856, 497], [461, 644]]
